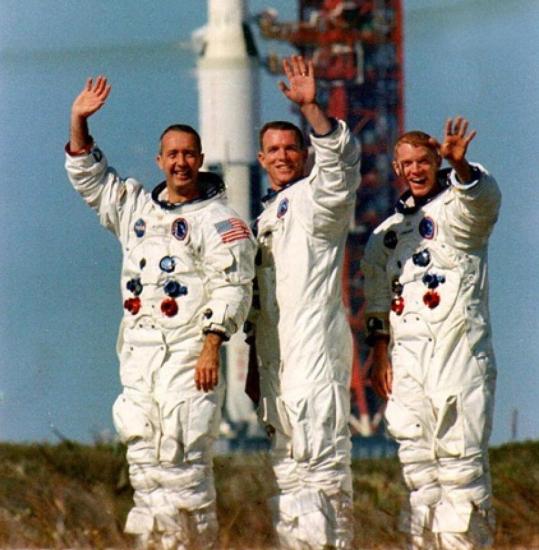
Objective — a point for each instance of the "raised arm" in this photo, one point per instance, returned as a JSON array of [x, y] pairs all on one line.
[[92, 97], [301, 90], [473, 214], [100, 186]]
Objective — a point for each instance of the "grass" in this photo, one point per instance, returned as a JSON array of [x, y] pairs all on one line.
[[76, 496]]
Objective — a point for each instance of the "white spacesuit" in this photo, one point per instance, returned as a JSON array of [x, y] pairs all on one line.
[[426, 286], [304, 345], [187, 269]]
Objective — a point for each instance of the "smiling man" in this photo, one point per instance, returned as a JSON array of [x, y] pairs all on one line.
[[282, 153], [426, 288], [303, 340], [180, 159], [186, 287]]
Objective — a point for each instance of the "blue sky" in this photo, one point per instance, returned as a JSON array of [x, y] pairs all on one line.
[[59, 288]]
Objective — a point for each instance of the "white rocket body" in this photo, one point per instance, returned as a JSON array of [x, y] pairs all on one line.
[[229, 120]]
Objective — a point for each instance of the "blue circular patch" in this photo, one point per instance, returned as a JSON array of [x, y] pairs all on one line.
[[140, 227], [282, 209], [179, 228], [427, 228], [167, 264]]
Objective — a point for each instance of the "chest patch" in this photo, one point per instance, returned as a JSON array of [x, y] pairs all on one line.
[[232, 230], [427, 228], [180, 228], [139, 228], [282, 209]]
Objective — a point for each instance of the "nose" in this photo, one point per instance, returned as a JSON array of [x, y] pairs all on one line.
[[281, 153], [416, 168], [181, 160]]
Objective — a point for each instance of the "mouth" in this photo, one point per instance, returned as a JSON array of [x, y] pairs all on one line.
[[285, 169], [182, 175]]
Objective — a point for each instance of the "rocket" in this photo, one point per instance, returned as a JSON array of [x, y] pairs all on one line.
[[229, 97], [229, 117]]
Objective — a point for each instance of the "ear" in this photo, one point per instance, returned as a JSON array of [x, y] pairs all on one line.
[[397, 168], [261, 159], [159, 162]]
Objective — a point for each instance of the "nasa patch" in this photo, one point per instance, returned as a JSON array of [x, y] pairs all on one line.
[[282, 209], [179, 228], [140, 228], [427, 228]]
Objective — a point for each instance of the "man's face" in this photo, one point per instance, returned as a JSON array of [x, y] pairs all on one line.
[[417, 166], [180, 160], [281, 157]]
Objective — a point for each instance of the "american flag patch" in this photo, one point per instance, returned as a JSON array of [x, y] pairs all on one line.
[[232, 230]]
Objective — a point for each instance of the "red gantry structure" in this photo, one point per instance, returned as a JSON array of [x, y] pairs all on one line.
[[356, 47]]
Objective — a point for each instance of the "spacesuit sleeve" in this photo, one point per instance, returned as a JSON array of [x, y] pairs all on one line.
[[474, 210], [335, 176], [376, 287], [101, 187], [229, 268]]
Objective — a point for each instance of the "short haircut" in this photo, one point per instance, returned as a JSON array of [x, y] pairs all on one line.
[[281, 125], [186, 129], [417, 139]]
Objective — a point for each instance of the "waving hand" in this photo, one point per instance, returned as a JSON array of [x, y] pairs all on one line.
[[92, 97], [301, 90]]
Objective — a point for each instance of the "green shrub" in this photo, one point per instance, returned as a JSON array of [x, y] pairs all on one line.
[[72, 495]]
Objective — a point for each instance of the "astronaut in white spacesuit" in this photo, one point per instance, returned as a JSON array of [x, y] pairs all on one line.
[[426, 289], [186, 284], [303, 341]]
